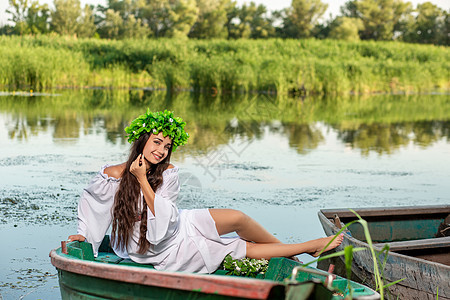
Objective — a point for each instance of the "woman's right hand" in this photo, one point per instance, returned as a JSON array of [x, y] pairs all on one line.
[[76, 237], [138, 168]]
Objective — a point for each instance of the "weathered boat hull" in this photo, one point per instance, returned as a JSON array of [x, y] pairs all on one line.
[[424, 279], [91, 280], [81, 276]]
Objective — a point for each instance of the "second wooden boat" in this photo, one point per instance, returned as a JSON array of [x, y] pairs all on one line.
[[419, 248]]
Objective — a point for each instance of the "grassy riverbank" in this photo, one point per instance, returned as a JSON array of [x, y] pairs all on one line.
[[321, 67]]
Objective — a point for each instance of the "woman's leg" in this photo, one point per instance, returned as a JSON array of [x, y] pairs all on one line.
[[314, 247], [265, 245], [231, 220]]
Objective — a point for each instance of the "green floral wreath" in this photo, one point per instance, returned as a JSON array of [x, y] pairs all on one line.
[[156, 122]]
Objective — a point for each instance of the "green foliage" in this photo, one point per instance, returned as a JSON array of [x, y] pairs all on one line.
[[121, 20], [250, 21], [69, 18], [154, 13], [156, 122], [182, 16], [380, 17], [430, 25], [208, 19], [248, 267], [325, 67], [168, 18], [86, 26], [345, 28], [304, 14], [212, 17], [65, 16], [28, 16], [115, 27]]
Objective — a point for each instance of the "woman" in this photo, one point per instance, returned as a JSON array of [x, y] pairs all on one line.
[[138, 198]]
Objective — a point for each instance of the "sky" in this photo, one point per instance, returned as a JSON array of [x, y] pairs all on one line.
[[333, 5]]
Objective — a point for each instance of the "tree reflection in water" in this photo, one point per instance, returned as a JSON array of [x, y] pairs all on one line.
[[380, 124]]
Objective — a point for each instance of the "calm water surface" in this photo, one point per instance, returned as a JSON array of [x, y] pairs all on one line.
[[278, 160]]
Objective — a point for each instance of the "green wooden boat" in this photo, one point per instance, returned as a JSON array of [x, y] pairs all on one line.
[[419, 241], [81, 276]]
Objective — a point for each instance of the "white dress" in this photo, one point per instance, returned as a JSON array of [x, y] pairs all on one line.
[[181, 240]]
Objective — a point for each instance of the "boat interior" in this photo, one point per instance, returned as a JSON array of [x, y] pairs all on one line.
[[280, 270]]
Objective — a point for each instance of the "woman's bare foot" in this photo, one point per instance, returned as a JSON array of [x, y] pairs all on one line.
[[322, 242]]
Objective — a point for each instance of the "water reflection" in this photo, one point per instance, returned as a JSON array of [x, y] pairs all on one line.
[[386, 138], [380, 124], [303, 137]]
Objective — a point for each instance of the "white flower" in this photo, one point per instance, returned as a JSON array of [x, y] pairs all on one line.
[[143, 125], [170, 120], [154, 130], [238, 269], [134, 132]]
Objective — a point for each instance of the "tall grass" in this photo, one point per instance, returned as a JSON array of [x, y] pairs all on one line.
[[320, 67], [41, 67]]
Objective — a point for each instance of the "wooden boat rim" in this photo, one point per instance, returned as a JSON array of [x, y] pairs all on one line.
[[364, 244], [213, 284], [388, 211]]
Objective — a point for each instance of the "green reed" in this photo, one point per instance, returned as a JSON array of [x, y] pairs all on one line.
[[319, 67]]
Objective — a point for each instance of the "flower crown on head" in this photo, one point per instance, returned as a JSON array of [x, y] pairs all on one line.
[[156, 122]]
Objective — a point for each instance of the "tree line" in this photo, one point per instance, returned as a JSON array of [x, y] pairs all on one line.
[[210, 19]]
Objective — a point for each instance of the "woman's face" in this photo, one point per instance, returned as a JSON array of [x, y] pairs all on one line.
[[157, 148]]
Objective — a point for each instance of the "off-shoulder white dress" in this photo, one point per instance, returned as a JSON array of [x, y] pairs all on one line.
[[181, 240]]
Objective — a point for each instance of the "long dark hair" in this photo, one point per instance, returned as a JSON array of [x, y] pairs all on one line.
[[125, 210]]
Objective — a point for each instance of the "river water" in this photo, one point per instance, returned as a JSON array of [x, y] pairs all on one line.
[[278, 160]]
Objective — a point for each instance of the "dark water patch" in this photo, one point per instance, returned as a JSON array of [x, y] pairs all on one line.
[[77, 179], [247, 178], [27, 278], [241, 177], [377, 172], [25, 269], [243, 172], [300, 196], [22, 160], [428, 184], [346, 196], [243, 166], [37, 206]]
